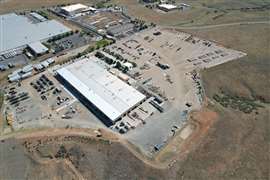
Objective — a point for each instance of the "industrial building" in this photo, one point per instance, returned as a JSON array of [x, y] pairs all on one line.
[[17, 31], [108, 97], [167, 7], [73, 9], [37, 48]]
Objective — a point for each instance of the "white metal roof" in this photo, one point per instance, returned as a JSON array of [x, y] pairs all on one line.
[[38, 16], [107, 92], [17, 31], [15, 77], [45, 64], [167, 6], [38, 47], [74, 7], [27, 68], [91, 8]]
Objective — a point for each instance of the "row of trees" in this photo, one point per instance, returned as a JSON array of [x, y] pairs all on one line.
[[110, 61], [61, 36]]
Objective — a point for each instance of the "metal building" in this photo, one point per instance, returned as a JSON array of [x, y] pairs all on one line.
[[73, 9], [108, 97], [167, 7], [37, 48], [16, 31]]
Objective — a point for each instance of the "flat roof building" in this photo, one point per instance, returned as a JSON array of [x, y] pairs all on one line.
[[38, 48], [73, 9], [167, 7], [38, 16], [17, 31], [105, 94]]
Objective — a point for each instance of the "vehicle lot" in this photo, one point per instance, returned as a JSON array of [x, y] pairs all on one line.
[[73, 41], [48, 104], [16, 60]]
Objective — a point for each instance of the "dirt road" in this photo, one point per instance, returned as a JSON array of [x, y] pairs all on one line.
[[220, 25]]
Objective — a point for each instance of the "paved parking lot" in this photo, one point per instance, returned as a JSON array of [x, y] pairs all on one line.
[[16, 60], [73, 41], [158, 129]]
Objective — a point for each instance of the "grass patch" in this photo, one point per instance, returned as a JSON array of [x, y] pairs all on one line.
[[102, 43]]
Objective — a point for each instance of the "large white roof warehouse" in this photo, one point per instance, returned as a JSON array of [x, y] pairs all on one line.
[[109, 94], [17, 31]]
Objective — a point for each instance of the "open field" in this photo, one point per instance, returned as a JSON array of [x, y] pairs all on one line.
[[235, 147], [202, 12], [64, 155], [248, 77]]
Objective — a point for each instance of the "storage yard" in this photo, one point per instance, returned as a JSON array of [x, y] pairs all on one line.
[[112, 21], [105, 22], [45, 103], [142, 86], [168, 63]]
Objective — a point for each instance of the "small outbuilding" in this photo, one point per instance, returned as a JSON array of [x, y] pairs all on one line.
[[167, 7]]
